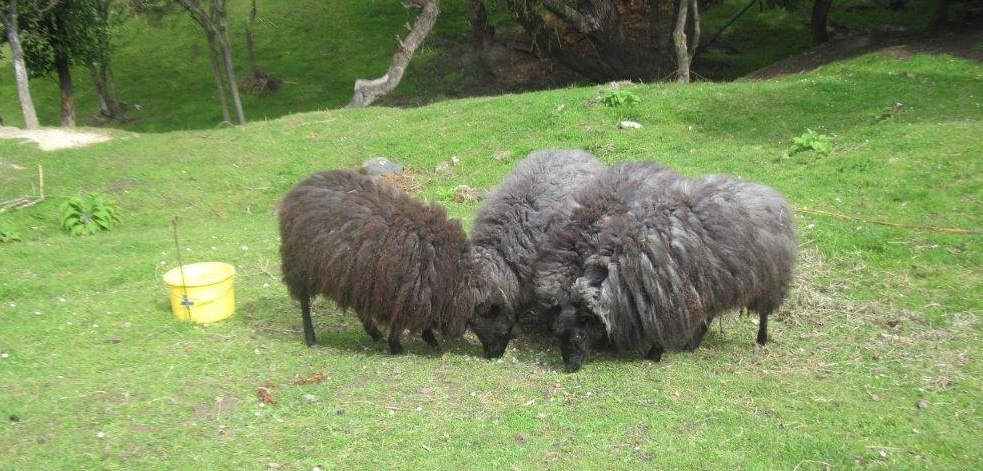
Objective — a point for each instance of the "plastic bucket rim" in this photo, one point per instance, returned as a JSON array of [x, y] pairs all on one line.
[[173, 277]]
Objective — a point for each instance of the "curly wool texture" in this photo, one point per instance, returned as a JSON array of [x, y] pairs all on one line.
[[511, 226], [370, 247], [685, 254], [574, 235]]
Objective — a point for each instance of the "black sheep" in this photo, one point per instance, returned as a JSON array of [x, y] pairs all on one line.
[[368, 246], [509, 231], [654, 272]]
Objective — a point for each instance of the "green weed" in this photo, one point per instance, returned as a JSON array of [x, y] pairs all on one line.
[[88, 214], [811, 140]]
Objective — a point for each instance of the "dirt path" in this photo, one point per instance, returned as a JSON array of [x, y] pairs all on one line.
[[961, 40], [52, 138]]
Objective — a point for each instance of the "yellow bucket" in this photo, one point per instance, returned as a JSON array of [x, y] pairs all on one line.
[[203, 292]]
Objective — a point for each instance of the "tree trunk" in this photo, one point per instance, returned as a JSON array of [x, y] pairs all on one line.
[[939, 14], [215, 25], [9, 19], [250, 51], [64, 71], [219, 77], [603, 39], [99, 83], [221, 20], [820, 10], [686, 48], [102, 72], [105, 85], [481, 34], [367, 91]]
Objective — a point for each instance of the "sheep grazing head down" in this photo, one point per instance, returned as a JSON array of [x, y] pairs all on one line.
[[492, 323], [578, 331]]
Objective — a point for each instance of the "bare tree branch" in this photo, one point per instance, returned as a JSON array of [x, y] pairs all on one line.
[[581, 22], [367, 91]]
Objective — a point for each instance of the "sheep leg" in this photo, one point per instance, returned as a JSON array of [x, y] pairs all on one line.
[[305, 313], [697, 339], [762, 327], [430, 339], [655, 354], [372, 330], [395, 348]]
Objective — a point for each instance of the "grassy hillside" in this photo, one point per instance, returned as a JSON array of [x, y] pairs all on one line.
[[874, 362], [319, 49]]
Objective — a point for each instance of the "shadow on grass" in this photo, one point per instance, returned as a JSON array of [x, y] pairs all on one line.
[[279, 319]]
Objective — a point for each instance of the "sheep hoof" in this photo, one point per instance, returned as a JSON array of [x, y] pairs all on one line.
[[372, 330], [395, 348], [430, 339], [655, 354]]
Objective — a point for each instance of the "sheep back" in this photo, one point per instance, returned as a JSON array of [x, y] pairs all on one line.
[[574, 234], [685, 254], [512, 223], [371, 247]]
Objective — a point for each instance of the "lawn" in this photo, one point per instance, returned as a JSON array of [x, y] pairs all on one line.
[[874, 361]]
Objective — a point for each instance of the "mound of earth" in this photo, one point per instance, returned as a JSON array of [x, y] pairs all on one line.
[[963, 40]]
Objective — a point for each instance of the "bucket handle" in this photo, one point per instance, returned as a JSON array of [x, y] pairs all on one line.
[[210, 299]]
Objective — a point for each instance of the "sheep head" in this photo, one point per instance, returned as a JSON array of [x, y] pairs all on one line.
[[578, 331], [492, 323]]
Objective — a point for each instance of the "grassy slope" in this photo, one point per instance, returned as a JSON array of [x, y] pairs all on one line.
[[99, 376], [320, 48]]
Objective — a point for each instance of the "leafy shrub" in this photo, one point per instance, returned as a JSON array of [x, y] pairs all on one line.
[[620, 98], [811, 140], [86, 215]]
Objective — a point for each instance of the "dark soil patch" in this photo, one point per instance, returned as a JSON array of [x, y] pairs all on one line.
[[510, 66], [964, 40]]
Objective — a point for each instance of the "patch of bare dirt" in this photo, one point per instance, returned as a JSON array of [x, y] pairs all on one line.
[[964, 40], [510, 66], [53, 139]]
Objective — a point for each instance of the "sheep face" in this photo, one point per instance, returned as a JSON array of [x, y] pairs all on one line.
[[492, 323], [578, 333]]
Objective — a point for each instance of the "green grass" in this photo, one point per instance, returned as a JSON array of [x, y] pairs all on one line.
[[319, 49], [874, 361]]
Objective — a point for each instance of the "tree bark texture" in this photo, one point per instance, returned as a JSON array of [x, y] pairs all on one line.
[[213, 52], [250, 50], [820, 11], [222, 20], [481, 34], [686, 46], [64, 70], [604, 39], [8, 16], [215, 25], [102, 72], [481, 31], [367, 91]]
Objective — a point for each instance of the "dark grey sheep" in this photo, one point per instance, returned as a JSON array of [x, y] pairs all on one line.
[[369, 246], [509, 232], [656, 274]]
